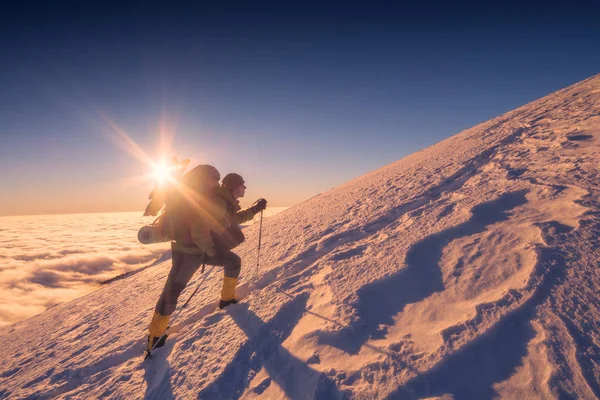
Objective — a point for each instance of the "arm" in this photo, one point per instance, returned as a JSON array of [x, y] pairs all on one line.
[[249, 213], [244, 215]]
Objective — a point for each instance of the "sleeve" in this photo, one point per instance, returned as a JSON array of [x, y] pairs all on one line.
[[204, 224], [244, 215]]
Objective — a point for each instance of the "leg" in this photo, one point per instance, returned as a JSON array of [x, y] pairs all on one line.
[[183, 268], [231, 269], [232, 265]]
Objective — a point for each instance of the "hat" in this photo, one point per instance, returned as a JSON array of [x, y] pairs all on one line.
[[233, 181]]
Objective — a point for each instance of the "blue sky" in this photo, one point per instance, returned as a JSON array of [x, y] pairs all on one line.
[[297, 97]]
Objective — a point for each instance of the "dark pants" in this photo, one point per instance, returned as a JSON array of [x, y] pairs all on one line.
[[184, 267]]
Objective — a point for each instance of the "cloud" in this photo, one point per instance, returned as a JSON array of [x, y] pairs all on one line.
[[46, 278], [34, 256], [47, 260], [88, 264]]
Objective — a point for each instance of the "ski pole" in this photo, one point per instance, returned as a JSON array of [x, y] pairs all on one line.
[[179, 311], [259, 242]]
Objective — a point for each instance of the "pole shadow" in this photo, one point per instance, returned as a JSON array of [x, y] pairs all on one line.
[[157, 374]]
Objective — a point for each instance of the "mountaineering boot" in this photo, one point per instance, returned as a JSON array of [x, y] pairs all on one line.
[[225, 303], [228, 292], [153, 339], [157, 327]]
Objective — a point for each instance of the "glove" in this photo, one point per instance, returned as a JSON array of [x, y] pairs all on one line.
[[259, 206]]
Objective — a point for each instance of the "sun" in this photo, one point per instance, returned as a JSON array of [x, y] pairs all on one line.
[[162, 173]]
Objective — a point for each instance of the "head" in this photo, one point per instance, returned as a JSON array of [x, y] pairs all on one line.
[[235, 184], [203, 178]]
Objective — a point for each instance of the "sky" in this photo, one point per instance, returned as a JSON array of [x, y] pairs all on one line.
[[296, 97]]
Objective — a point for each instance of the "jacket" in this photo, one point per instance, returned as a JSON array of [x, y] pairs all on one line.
[[220, 213]]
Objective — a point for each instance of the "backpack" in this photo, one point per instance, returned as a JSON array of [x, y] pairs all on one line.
[[180, 199], [158, 196]]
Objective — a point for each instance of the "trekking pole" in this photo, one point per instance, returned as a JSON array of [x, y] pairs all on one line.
[[259, 242], [179, 311]]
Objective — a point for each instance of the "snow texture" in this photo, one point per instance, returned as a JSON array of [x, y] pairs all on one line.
[[468, 270]]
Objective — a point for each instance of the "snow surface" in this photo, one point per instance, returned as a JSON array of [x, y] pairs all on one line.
[[466, 270]]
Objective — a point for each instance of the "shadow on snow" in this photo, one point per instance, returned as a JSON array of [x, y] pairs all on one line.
[[380, 301], [263, 349], [472, 371]]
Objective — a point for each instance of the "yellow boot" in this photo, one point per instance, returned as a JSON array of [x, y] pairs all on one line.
[[228, 292], [157, 327]]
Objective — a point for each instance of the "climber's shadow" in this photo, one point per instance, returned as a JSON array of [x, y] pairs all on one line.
[[263, 349]]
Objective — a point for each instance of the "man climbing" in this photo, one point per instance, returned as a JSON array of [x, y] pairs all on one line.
[[206, 233]]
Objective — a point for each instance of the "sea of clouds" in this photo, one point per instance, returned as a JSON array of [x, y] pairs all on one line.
[[50, 259]]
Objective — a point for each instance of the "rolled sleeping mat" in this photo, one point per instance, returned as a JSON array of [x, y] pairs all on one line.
[[151, 234]]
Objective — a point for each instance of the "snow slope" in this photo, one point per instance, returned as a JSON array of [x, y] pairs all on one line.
[[466, 270]]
